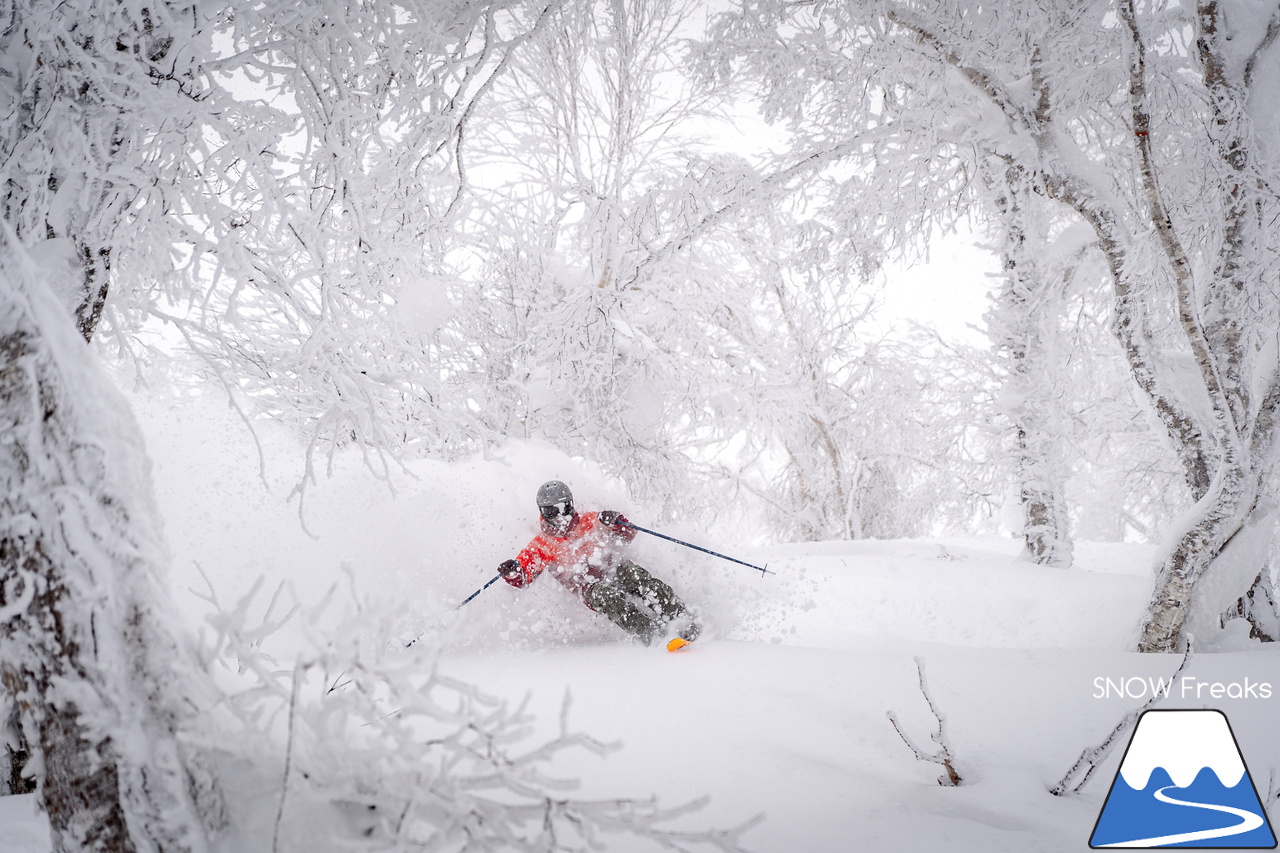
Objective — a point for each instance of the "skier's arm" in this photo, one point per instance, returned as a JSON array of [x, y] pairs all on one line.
[[617, 523], [513, 573], [527, 565]]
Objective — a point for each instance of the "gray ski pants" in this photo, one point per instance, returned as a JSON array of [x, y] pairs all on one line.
[[636, 601]]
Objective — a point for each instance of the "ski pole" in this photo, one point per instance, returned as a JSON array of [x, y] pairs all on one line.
[[762, 569], [465, 601]]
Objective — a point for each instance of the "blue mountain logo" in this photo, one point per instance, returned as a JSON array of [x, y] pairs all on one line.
[[1183, 783]]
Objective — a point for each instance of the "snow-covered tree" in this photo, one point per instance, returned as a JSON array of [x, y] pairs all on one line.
[[95, 113], [846, 432], [590, 177], [103, 686], [1123, 482], [95, 109], [142, 166], [1025, 322], [320, 289], [1147, 121], [650, 305]]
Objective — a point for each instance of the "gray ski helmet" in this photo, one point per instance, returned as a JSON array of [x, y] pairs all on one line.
[[554, 492]]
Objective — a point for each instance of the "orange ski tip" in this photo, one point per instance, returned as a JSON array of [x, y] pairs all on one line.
[[677, 644]]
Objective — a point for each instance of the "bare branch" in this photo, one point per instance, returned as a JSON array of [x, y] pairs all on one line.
[[1090, 758], [943, 756]]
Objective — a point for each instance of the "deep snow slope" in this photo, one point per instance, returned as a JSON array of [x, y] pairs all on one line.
[[780, 711], [787, 718]]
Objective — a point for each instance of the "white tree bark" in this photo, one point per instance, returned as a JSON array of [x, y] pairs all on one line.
[[102, 686], [1025, 320]]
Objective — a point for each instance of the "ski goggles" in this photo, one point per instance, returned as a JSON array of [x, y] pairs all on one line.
[[550, 511]]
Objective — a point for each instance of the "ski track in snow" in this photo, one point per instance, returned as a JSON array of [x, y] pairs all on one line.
[[1248, 822]]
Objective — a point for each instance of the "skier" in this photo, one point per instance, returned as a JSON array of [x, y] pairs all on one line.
[[583, 552]]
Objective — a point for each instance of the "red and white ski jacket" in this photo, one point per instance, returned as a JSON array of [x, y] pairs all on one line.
[[583, 555]]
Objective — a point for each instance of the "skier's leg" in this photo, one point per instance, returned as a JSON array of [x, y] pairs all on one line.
[[658, 595], [655, 593], [615, 605]]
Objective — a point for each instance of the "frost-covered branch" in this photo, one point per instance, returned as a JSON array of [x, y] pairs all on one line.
[[401, 756], [1080, 772], [942, 755], [1140, 119], [986, 83]]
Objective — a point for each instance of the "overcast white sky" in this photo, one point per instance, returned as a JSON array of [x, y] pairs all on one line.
[[950, 292]]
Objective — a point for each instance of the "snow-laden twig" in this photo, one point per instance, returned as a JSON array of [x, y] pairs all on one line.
[[943, 756], [1089, 759], [413, 759], [288, 761], [22, 600]]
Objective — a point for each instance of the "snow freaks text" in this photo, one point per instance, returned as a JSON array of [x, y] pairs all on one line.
[[1186, 687]]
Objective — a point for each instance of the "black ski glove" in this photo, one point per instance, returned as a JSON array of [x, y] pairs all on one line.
[[609, 518], [509, 569]]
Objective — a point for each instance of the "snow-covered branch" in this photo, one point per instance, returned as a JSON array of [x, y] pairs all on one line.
[[1080, 772], [942, 754], [397, 755]]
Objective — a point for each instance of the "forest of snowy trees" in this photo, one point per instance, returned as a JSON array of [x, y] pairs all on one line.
[[424, 229]]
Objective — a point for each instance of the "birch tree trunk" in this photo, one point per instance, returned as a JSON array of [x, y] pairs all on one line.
[[1139, 118], [102, 688], [1215, 316], [1024, 320]]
